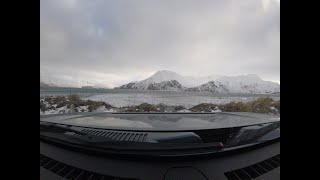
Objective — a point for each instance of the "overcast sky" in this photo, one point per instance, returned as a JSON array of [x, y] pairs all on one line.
[[111, 42]]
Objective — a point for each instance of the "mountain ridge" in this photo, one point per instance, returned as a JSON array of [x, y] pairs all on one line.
[[171, 85], [169, 80]]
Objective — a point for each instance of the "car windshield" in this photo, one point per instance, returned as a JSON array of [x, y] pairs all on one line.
[[178, 56]]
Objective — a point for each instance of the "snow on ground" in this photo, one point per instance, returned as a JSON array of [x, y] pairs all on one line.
[[184, 110], [55, 111], [216, 110], [77, 109]]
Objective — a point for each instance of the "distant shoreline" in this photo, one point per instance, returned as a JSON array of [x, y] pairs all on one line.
[[74, 103], [74, 90]]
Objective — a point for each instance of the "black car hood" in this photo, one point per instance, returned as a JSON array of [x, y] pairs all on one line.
[[179, 135]]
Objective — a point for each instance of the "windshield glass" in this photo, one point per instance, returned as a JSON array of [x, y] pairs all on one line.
[[159, 57]]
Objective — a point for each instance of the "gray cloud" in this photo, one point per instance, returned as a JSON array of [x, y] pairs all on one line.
[[113, 42]]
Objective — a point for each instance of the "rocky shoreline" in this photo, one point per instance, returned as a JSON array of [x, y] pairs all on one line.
[[73, 103]]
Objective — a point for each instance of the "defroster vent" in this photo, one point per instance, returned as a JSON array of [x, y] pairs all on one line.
[[70, 172], [118, 135], [255, 170]]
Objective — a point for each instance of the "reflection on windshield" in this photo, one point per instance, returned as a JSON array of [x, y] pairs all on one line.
[[164, 122], [112, 121], [252, 133]]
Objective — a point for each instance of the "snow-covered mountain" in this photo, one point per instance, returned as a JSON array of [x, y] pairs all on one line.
[[238, 84], [165, 75], [211, 86], [186, 81], [171, 85], [248, 84], [46, 85], [168, 80]]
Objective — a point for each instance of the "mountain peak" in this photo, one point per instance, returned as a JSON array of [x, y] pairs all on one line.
[[165, 72], [164, 75], [253, 76]]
